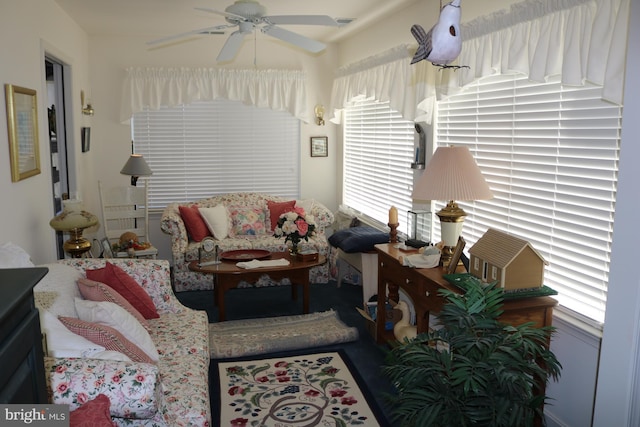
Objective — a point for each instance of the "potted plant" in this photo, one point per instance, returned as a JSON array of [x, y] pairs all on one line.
[[474, 370]]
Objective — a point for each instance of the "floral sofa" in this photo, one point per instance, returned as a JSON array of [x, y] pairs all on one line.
[[172, 391], [246, 220]]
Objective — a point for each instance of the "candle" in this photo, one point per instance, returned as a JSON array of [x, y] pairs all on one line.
[[393, 215]]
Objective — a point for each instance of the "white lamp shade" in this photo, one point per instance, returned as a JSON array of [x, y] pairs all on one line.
[[452, 174], [136, 166], [73, 217]]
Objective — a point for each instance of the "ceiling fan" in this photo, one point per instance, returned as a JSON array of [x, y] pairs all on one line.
[[248, 15]]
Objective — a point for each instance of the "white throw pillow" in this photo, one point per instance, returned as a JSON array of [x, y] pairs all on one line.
[[217, 220], [116, 317], [57, 290], [13, 256], [61, 342], [306, 204]]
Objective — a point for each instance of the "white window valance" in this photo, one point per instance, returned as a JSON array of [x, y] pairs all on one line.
[[388, 77], [579, 40], [280, 90]]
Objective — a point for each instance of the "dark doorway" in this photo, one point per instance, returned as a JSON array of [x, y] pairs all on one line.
[[57, 139]]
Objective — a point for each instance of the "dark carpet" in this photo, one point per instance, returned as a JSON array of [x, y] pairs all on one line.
[[250, 303]]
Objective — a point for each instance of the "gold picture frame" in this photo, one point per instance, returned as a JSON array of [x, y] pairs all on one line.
[[457, 254], [319, 146], [22, 125]]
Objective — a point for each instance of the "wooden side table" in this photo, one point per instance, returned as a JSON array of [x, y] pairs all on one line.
[[423, 284]]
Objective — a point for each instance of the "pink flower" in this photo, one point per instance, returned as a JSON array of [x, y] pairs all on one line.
[[349, 400], [311, 393], [303, 227], [283, 379], [62, 387], [140, 378], [281, 364], [239, 422], [298, 210], [60, 369], [338, 392], [235, 390], [262, 379], [82, 398], [115, 378]]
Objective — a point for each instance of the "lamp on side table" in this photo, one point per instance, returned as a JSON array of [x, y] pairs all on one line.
[[452, 174]]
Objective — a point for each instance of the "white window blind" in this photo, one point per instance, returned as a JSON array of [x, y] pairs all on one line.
[[378, 151], [550, 155], [215, 147]]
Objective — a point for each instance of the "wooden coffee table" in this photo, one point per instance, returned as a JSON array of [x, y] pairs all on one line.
[[228, 276]]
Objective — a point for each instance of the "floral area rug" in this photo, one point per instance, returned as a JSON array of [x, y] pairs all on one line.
[[315, 389], [236, 338]]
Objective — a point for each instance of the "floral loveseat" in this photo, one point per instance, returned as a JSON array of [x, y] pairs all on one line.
[[172, 391], [246, 220]]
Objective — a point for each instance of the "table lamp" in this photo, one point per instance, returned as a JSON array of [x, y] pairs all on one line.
[[136, 166], [452, 174], [73, 219]]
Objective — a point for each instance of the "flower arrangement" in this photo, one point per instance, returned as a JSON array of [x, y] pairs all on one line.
[[295, 226]]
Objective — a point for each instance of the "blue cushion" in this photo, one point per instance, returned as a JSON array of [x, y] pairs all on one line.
[[358, 239]]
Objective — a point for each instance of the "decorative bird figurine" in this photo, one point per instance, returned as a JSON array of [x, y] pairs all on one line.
[[442, 44], [403, 329]]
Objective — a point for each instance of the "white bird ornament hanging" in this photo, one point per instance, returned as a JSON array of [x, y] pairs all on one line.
[[442, 44]]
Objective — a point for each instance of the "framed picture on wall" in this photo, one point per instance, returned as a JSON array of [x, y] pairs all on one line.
[[22, 123], [85, 134], [319, 146]]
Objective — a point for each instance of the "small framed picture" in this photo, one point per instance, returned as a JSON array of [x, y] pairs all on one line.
[[106, 248], [85, 135], [319, 146], [455, 257]]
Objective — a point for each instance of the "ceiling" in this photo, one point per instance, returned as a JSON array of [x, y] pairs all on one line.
[[159, 18]]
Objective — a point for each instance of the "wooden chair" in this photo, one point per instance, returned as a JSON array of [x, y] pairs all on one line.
[[125, 209]]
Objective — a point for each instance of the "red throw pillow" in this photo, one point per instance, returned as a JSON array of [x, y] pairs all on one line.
[[278, 208], [94, 413], [118, 279], [193, 222]]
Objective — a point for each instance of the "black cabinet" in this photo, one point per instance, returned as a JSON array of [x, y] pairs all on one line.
[[22, 377]]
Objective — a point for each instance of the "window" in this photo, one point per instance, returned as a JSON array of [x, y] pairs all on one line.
[[550, 154], [215, 147], [378, 151]]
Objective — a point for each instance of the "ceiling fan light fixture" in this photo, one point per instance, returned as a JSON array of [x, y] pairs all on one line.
[[249, 9]]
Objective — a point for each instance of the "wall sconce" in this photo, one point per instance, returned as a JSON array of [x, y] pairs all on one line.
[[88, 109], [319, 110]]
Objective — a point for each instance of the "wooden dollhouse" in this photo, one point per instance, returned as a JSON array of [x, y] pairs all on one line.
[[509, 260]]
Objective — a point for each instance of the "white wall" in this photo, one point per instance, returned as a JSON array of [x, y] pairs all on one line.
[[28, 29]]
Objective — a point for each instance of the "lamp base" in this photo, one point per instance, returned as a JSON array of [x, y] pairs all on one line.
[[451, 219], [77, 245]]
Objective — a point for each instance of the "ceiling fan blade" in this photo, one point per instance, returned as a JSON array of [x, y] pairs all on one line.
[[294, 38], [231, 47], [302, 20], [189, 33], [225, 14]]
